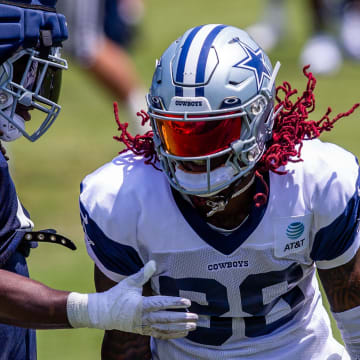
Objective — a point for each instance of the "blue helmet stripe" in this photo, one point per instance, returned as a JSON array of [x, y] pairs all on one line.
[[201, 66], [184, 53], [182, 59], [200, 91], [178, 91]]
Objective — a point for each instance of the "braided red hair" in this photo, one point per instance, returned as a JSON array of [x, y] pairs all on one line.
[[138, 144], [291, 128]]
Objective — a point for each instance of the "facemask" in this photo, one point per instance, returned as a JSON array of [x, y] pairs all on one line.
[[199, 181]]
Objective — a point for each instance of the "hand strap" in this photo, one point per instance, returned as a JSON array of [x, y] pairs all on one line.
[[50, 236]]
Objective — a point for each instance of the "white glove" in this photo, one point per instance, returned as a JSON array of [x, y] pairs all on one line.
[[124, 308]]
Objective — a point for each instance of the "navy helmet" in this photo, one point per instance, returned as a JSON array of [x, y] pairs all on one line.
[[31, 34]]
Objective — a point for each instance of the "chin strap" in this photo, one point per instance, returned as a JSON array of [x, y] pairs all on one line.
[[219, 202]]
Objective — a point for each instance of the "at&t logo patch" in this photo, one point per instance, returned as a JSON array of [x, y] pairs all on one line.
[[291, 235], [295, 230]]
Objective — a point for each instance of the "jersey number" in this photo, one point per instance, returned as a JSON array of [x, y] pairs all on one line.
[[252, 300]]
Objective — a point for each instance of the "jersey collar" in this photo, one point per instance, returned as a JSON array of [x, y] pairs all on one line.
[[225, 244]]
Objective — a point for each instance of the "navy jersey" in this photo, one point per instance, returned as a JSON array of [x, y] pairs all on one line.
[[255, 290], [13, 216], [15, 343]]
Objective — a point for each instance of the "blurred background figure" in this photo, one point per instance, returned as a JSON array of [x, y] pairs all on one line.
[[271, 26], [334, 32], [101, 33], [350, 29]]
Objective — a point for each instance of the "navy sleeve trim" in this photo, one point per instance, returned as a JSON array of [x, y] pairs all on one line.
[[118, 258], [333, 240]]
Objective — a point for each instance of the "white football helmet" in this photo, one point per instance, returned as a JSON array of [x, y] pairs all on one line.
[[29, 80], [211, 105]]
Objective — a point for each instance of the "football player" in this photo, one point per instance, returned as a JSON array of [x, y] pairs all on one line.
[[31, 34], [241, 206], [101, 32]]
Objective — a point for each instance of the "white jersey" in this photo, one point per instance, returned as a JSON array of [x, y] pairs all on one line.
[[255, 290]]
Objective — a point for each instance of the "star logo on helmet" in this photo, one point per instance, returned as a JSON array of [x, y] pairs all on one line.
[[255, 62]]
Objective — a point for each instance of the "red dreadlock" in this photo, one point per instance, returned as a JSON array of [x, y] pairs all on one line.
[[290, 129], [138, 144], [291, 126]]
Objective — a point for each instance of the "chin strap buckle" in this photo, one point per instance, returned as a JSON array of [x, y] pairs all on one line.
[[216, 206], [220, 205]]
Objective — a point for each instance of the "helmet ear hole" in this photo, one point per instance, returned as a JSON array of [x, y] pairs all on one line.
[[257, 107], [5, 99], [156, 102]]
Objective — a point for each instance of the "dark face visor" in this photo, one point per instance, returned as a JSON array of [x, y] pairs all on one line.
[[30, 75]]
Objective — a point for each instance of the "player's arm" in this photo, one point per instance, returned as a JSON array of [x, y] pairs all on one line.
[[342, 287], [117, 344], [28, 303]]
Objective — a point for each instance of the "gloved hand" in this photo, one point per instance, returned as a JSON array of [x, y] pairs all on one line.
[[124, 308]]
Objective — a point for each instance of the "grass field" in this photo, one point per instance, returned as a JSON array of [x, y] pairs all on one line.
[[48, 173]]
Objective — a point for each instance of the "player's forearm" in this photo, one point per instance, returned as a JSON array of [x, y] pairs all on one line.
[[125, 346], [28, 303], [342, 285]]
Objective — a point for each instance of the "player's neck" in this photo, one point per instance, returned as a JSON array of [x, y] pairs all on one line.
[[235, 211]]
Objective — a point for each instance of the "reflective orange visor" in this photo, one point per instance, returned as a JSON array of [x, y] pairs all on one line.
[[198, 138]]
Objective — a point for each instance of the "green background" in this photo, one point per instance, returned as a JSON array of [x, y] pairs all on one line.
[[48, 173]]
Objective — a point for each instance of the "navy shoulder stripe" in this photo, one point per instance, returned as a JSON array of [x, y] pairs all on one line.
[[116, 257]]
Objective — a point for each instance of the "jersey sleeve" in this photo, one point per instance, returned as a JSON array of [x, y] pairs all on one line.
[[109, 219], [336, 202]]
